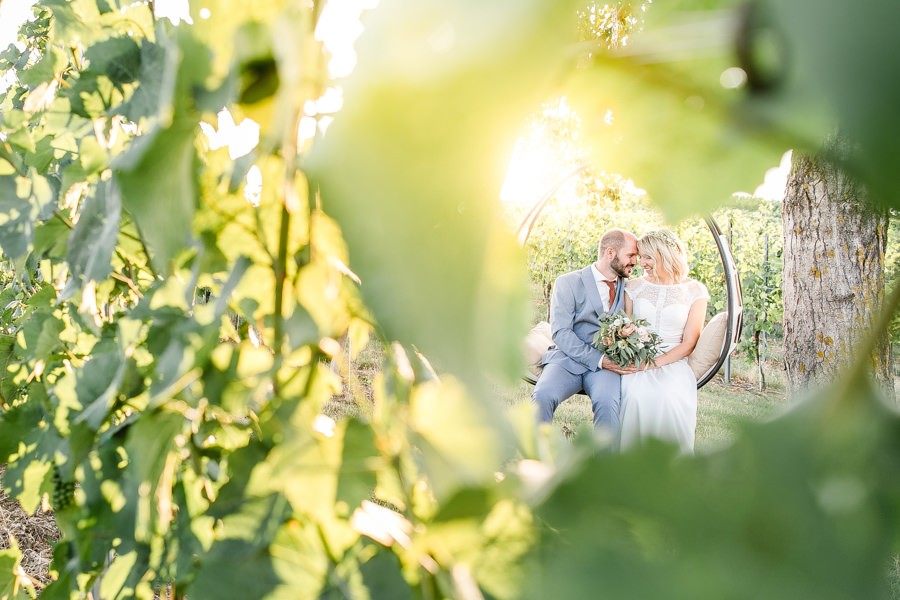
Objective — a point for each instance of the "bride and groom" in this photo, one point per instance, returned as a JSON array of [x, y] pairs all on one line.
[[658, 399]]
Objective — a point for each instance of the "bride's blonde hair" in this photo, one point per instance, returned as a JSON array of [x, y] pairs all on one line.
[[668, 250]]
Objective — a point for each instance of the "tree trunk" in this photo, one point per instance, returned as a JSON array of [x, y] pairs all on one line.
[[834, 246]]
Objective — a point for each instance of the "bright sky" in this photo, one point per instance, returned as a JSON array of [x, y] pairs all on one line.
[[12, 14], [772, 187], [338, 29], [533, 170], [538, 164]]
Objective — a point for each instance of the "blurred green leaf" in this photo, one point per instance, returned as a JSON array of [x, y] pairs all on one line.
[[158, 174], [113, 584], [25, 417], [10, 561], [26, 473], [71, 20], [462, 442], [800, 507], [50, 65], [150, 444], [659, 110], [155, 87], [158, 182], [257, 70], [117, 58], [90, 94], [381, 575], [859, 78], [41, 335], [98, 383], [43, 155], [356, 480], [17, 217], [726, 87], [240, 565], [426, 137]]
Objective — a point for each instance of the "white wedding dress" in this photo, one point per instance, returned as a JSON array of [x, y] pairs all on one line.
[[662, 402]]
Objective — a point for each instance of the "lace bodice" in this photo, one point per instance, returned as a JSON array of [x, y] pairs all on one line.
[[665, 307]]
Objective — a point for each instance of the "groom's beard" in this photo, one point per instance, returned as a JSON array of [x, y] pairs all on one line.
[[621, 270]]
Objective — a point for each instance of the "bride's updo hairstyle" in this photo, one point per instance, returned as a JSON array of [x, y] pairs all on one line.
[[668, 250]]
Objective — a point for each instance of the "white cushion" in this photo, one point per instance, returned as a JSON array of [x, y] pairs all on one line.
[[537, 342], [709, 346]]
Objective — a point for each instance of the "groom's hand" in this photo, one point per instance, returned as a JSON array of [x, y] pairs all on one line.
[[615, 367]]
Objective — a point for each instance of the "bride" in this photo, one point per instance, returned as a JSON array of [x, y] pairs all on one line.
[[659, 399]]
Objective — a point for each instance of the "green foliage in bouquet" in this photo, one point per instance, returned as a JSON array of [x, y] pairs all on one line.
[[627, 341]]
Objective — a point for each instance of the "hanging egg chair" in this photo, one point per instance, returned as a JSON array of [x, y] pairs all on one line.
[[721, 334]]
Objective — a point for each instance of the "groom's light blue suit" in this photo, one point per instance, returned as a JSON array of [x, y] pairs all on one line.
[[572, 364]]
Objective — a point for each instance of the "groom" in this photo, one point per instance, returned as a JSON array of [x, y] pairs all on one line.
[[573, 363]]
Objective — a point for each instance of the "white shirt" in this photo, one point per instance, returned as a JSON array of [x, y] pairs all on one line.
[[600, 279]]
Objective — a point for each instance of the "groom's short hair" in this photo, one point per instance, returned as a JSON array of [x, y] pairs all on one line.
[[614, 238]]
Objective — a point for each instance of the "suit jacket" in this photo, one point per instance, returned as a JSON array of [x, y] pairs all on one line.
[[575, 308]]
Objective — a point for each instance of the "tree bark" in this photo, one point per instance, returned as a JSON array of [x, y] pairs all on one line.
[[834, 246]]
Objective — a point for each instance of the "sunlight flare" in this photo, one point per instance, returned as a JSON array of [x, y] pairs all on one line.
[[240, 139]]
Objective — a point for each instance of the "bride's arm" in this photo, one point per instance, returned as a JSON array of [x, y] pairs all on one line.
[[629, 305], [689, 337]]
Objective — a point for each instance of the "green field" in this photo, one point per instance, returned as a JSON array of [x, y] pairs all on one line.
[[721, 405]]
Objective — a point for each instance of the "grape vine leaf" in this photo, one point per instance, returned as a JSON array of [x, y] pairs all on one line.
[[50, 65], [153, 94], [41, 335], [158, 174], [17, 219], [93, 239], [118, 58], [70, 22], [240, 564], [10, 565], [157, 178], [98, 382]]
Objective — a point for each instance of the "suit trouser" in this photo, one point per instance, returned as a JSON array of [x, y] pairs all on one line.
[[556, 384]]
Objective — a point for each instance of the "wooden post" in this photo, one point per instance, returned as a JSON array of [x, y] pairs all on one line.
[[763, 341], [728, 360]]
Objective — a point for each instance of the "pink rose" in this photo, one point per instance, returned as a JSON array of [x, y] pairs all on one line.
[[628, 329]]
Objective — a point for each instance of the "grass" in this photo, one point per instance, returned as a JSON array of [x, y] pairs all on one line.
[[721, 406], [34, 534]]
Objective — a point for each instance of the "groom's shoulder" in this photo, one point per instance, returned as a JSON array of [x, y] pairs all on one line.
[[570, 276]]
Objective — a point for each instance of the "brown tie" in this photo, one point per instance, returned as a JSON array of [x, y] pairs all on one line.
[[612, 291]]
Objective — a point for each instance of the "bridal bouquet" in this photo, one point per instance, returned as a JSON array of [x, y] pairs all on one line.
[[627, 341]]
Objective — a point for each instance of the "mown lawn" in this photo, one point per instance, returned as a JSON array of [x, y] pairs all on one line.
[[721, 406]]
